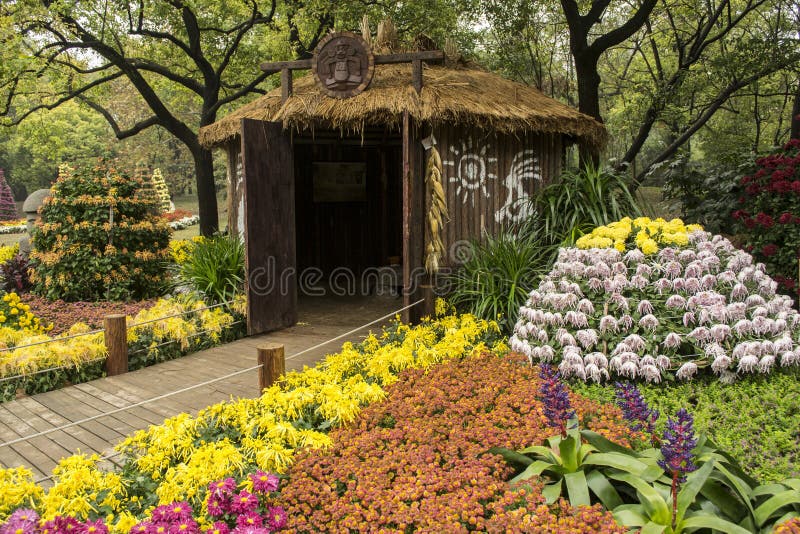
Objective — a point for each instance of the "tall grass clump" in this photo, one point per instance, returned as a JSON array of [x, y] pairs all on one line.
[[214, 268], [499, 272], [582, 200]]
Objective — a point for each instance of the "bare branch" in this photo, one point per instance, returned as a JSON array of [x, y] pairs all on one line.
[[118, 132]]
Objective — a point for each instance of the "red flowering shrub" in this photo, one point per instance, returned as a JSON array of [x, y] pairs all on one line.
[[769, 213], [417, 461], [176, 215]]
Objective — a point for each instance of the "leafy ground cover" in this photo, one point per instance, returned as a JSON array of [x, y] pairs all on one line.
[[756, 420]]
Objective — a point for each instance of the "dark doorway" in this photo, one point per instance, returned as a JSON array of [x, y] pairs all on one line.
[[348, 198]]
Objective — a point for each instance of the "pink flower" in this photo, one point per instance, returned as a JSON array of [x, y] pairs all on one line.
[[276, 517], [264, 482], [219, 527], [249, 519], [244, 502]]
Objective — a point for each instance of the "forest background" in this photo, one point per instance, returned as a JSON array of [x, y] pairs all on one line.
[[690, 90]]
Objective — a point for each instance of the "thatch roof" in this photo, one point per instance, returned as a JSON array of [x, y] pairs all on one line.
[[462, 96]]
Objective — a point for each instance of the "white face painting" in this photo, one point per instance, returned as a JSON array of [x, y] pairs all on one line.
[[524, 168]]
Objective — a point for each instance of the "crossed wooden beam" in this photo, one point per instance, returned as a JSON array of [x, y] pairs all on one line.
[[415, 58]]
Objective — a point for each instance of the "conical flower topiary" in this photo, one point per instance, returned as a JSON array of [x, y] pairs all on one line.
[[99, 238], [161, 191], [8, 207]]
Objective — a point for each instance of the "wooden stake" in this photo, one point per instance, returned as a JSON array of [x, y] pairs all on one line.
[[427, 306], [272, 360], [116, 340]]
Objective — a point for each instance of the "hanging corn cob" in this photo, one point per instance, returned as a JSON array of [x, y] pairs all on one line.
[[437, 213]]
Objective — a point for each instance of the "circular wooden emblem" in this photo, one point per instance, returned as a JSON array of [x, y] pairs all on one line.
[[343, 65]]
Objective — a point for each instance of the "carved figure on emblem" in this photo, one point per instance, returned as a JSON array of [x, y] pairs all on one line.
[[343, 65]]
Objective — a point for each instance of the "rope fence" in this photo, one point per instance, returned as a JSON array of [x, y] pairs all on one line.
[[201, 384]]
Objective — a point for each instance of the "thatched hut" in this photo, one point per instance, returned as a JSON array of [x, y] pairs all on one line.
[[332, 183]]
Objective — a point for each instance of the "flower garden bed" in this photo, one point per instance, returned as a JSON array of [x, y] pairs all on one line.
[[45, 362], [63, 315]]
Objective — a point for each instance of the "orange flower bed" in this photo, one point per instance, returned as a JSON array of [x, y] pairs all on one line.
[[417, 461]]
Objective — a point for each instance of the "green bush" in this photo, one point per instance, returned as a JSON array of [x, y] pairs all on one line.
[[99, 239], [214, 268], [756, 420], [582, 200], [495, 280]]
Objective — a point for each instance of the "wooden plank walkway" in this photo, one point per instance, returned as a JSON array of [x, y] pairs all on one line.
[[321, 319]]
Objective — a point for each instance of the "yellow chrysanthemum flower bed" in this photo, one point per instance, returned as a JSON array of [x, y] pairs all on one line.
[[189, 332], [643, 233], [177, 460]]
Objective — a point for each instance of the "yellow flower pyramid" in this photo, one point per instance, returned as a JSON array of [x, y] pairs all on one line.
[[161, 191]]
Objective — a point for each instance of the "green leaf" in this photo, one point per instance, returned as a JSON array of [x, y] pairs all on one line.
[[656, 507], [537, 449], [535, 469], [712, 522], [603, 444], [630, 515], [569, 453], [767, 489], [601, 487], [552, 492], [694, 483], [774, 503], [577, 489], [652, 528], [623, 462], [510, 456], [721, 498]]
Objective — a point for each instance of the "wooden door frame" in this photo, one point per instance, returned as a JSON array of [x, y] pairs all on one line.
[[413, 218]]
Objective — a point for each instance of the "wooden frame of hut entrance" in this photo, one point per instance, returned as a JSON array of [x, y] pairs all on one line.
[[269, 192]]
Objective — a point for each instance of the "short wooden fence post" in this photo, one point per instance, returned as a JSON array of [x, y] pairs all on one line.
[[272, 360], [116, 338]]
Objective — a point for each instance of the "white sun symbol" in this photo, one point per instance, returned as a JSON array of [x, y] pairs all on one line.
[[471, 168]]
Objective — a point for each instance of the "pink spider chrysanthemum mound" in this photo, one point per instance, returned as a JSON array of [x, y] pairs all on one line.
[[704, 306]]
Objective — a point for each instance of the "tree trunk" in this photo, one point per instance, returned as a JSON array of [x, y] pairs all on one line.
[[588, 101], [796, 113], [206, 191]]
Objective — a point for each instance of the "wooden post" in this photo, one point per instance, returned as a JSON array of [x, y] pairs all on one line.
[[427, 306], [286, 84], [416, 70], [272, 360], [116, 339]]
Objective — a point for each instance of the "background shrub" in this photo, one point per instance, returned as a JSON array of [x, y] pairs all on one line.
[[14, 274], [99, 239], [768, 213], [214, 268]]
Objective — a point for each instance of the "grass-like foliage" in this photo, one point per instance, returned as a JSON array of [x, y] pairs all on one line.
[[494, 282], [214, 268], [583, 199]]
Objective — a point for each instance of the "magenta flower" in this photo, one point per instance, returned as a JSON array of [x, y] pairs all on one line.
[[219, 527], [264, 482], [244, 502], [93, 527], [223, 487], [249, 519], [276, 518], [22, 521]]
